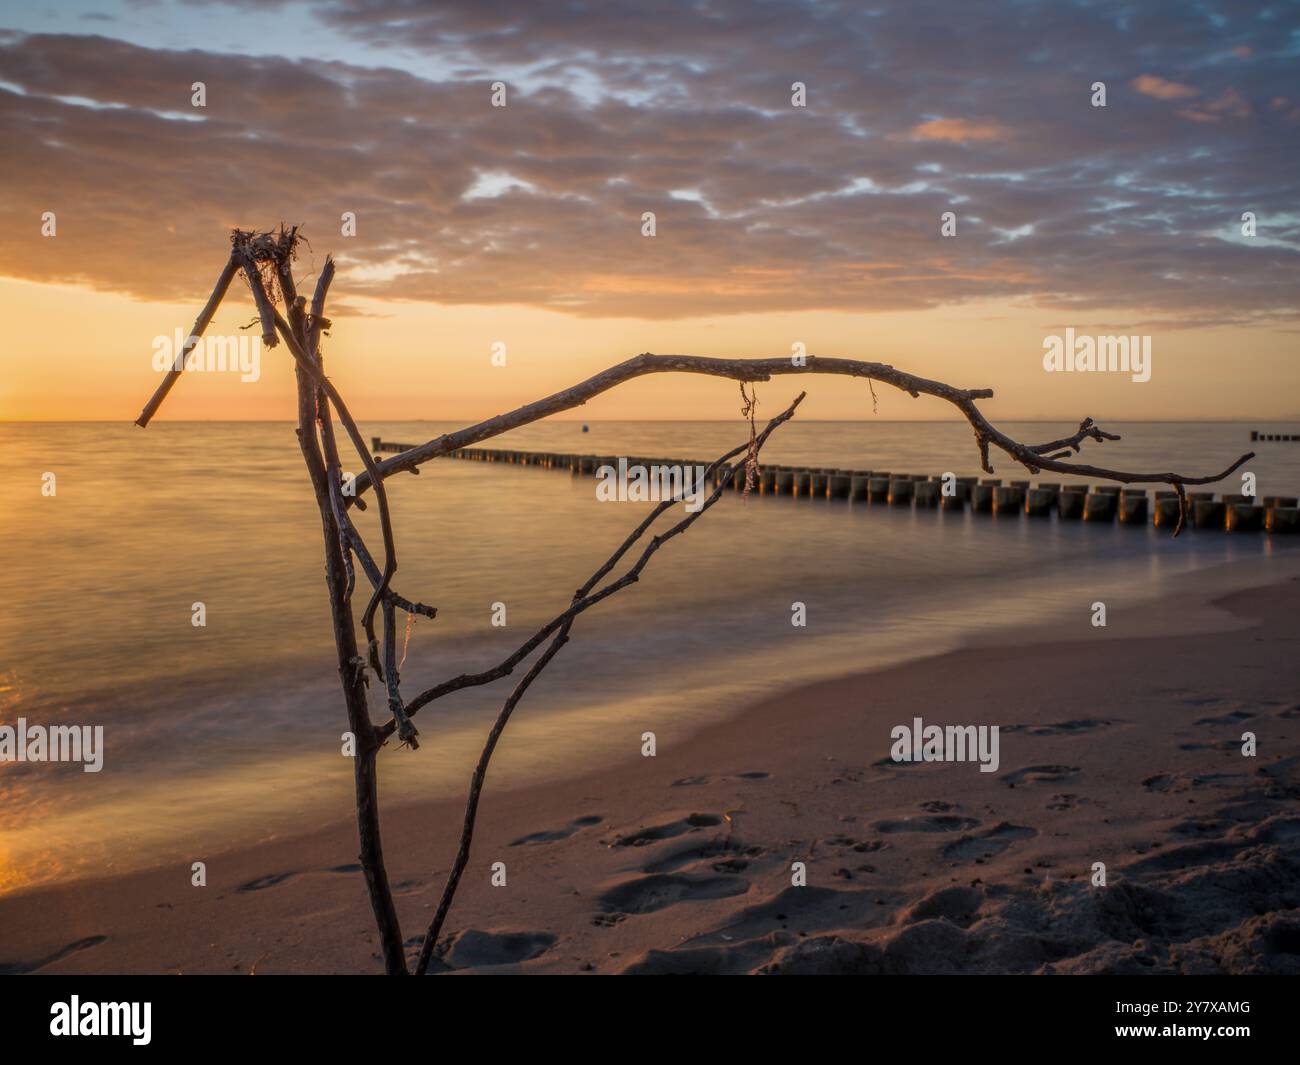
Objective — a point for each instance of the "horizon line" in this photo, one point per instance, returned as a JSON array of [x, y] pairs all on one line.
[[653, 421]]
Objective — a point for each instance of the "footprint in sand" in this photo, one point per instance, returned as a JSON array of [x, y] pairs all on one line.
[[987, 844], [1187, 856], [1038, 774], [17, 968], [554, 834], [608, 920], [647, 894], [1177, 782], [960, 905], [668, 830], [889, 763], [1201, 828], [1202, 700], [1284, 775], [1230, 718], [270, 880], [690, 782], [724, 852], [474, 948], [1282, 829], [700, 961], [1068, 728], [938, 823], [857, 846], [1189, 697], [795, 910], [1248, 810]]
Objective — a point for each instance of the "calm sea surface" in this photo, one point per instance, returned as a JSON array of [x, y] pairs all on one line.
[[231, 732]]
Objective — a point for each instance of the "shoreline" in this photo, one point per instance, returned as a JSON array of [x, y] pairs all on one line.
[[701, 837], [287, 809]]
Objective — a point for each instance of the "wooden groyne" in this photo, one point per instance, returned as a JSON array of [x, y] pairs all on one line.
[[1256, 437], [1070, 502]]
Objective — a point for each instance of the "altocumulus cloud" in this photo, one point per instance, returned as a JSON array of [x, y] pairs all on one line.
[[622, 107]]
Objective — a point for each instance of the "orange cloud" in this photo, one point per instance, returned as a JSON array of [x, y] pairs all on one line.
[[1228, 104], [1162, 89], [959, 131]]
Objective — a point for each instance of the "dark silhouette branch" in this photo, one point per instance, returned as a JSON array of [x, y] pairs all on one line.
[[200, 325], [266, 262], [1087, 430], [765, 369], [471, 804], [406, 730], [585, 598], [351, 673], [583, 595]]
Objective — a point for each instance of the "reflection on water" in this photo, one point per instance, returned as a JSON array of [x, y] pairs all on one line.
[[228, 732]]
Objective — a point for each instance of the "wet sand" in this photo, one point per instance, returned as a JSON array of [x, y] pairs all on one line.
[[1120, 746]]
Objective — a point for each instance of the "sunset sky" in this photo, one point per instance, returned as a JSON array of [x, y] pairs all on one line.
[[775, 224]]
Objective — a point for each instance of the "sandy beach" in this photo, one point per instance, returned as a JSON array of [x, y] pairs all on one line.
[[1119, 746]]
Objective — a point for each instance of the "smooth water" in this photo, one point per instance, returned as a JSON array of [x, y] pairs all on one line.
[[231, 732]]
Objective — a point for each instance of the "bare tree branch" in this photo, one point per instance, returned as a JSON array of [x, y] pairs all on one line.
[[1072, 443], [762, 370], [585, 599], [265, 260], [406, 730], [352, 676], [752, 449], [200, 325], [471, 805]]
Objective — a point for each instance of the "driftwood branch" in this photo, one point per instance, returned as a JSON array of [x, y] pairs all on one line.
[[350, 665], [1087, 430], [586, 598], [200, 325], [265, 260], [471, 803], [583, 595], [763, 370], [405, 729]]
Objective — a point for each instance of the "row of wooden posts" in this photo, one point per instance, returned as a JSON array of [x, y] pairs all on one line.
[[1105, 503]]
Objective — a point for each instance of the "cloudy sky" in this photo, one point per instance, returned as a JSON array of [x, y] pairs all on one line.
[[775, 223]]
